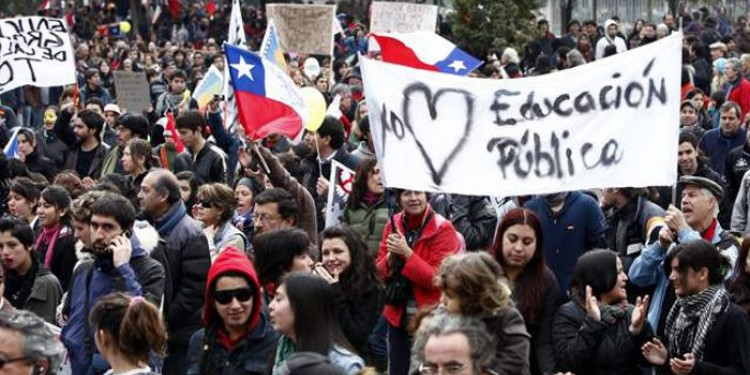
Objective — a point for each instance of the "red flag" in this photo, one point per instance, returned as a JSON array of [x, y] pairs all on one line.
[[175, 7], [211, 7], [172, 128], [46, 5], [70, 19]]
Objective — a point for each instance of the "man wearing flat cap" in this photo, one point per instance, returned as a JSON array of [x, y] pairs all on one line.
[[696, 221]]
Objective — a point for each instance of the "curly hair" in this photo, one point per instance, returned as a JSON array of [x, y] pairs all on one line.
[[478, 281], [80, 208]]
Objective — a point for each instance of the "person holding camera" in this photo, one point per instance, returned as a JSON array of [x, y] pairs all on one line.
[[414, 244], [120, 264]]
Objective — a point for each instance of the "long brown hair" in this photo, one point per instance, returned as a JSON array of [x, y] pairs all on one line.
[[359, 186], [532, 276]]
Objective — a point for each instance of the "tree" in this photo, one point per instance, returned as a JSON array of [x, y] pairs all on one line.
[[479, 25]]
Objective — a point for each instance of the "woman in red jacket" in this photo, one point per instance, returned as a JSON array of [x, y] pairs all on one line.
[[407, 260]]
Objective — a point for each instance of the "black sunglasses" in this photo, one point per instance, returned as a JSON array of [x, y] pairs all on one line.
[[206, 203], [224, 297]]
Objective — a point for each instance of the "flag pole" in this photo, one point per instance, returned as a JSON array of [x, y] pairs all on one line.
[[262, 160], [317, 149]]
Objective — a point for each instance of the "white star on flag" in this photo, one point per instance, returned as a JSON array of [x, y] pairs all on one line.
[[457, 65], [243, 69]]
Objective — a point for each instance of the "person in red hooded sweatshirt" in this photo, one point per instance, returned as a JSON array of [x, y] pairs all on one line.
[[236, 337]]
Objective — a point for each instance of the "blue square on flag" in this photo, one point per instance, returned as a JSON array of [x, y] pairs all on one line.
[[246, 70]]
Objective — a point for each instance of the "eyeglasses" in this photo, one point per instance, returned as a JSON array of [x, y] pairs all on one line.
[[206, 203], [224, 297], [266, 218], [4, 361], [450, 369]]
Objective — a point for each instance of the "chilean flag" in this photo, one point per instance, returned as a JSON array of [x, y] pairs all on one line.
[[267, 99], [425, 50]]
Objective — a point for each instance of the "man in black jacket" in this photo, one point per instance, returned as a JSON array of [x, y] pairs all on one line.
[[330, 145], [186, 260], [472, 216], [735, 166], [705, 333], [86, 152], [209, 162]]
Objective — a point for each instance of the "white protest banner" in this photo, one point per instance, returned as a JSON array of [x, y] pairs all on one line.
[[340, 188], [133, 92], [610, 123], [35, 51], [303, 28], [390, 17]]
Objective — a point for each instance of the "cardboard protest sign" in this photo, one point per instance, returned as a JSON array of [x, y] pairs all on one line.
[[303, 28], [610, 123], [133, 93], [35, 51], [340, 188], [390, 17]]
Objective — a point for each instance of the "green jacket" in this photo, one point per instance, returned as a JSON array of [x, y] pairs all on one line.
[[369, 223], [45, 295]]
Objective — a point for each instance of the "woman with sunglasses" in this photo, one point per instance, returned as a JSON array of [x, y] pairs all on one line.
[[304, 312], [127, 330], [236, 337], [216, 204]]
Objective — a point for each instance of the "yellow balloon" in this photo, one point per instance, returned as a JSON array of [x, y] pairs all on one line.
[[315, 108], [125, 27]]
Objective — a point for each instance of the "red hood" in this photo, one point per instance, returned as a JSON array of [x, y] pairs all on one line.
[[231, 260]]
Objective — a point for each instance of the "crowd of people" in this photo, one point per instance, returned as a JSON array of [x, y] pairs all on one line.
[[129, 247]]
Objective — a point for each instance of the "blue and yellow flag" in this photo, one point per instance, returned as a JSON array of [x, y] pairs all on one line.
[[271, 49]]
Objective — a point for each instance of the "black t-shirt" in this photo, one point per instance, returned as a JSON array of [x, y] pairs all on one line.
[[83, 163]]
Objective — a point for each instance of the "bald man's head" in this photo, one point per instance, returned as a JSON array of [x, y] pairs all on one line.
[[159, 191]]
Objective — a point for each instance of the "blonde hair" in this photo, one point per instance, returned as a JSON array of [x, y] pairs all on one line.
[[478, 279]]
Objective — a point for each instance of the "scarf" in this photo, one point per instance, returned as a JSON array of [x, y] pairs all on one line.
[[227, 341], [612, 314], [370, 198], [49, 237], [691, 318], [243, 222], [284, 350], [709, 234], [167, 154], [110, 161], [166, 223]]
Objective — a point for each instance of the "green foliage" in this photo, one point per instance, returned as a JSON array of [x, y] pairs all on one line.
[[483, 24]]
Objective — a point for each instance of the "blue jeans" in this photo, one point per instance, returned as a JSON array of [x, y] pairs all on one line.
[[399, 351]]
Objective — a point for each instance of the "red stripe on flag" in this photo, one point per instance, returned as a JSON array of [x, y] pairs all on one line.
[[395, 51], [261, 116], [172, 129]]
